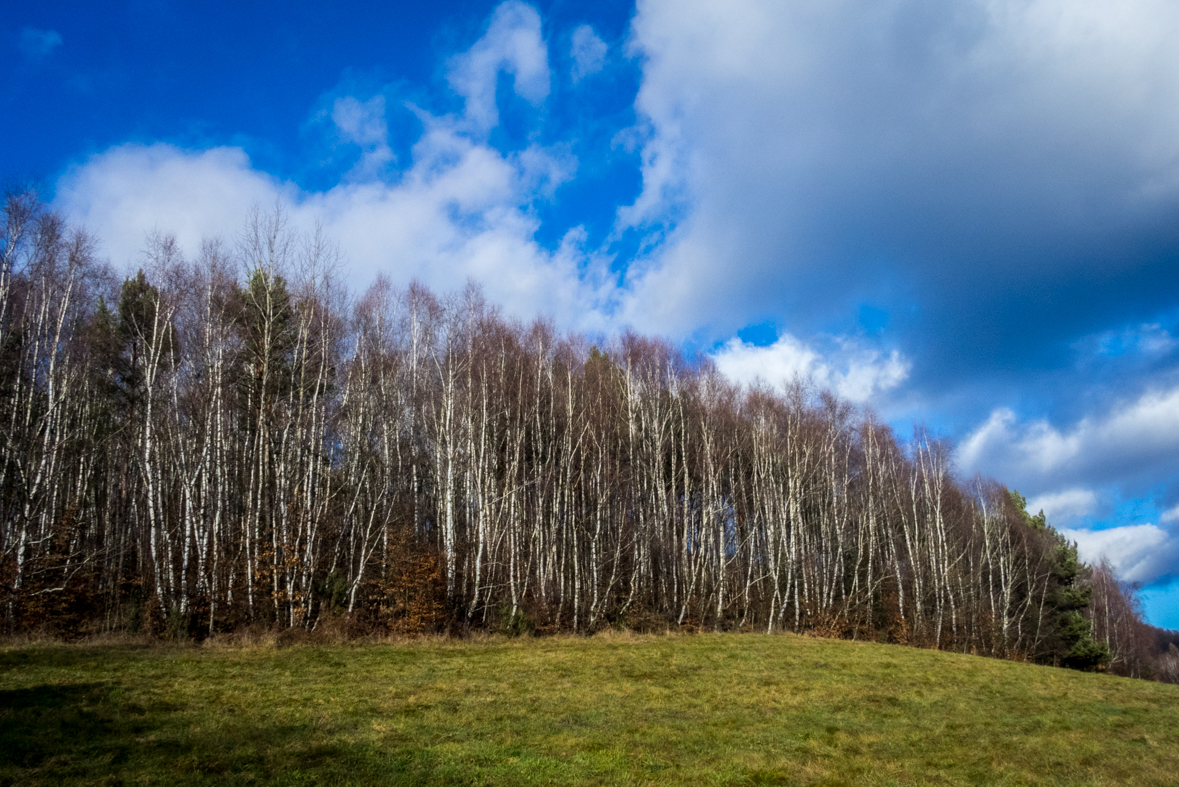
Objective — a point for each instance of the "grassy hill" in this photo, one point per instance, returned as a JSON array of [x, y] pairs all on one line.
[[706, 709]]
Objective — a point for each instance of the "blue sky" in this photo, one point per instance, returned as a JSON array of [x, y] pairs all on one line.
[[964, 214]]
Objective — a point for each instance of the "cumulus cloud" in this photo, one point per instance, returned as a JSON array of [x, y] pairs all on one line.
[[512, 43], [131, 190], [1137, 553], [588, 52], [1139, 437], [460, 211], [853, 372], [970, 154], [1065, 505], [1170, 515], [37, 44]]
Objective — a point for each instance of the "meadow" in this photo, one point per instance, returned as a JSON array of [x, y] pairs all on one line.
[[613, 709]]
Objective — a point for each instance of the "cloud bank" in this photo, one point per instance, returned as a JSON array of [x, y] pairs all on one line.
[[981, 157], [1138, 439]]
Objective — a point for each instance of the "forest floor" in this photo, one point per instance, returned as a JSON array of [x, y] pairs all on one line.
[[615, 709]]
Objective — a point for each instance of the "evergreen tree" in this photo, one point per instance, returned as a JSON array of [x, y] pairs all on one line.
[[265, 318], [1068, 641], [126, 345]]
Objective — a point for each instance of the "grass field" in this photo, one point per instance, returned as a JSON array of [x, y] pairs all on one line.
[[705, 709]]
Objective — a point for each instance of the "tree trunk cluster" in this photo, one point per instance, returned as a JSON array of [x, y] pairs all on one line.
[[233, 439]]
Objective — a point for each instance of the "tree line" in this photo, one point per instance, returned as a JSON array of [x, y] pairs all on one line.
[[231, 438]]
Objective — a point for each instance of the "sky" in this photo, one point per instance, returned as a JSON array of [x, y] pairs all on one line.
[[961, 214]]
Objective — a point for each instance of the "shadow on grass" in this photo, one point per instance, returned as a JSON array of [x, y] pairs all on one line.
[[89, 733]]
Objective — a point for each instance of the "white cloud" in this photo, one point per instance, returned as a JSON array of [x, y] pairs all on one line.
[[1170, 515], [513, 44], [588, 52], [363, 124], [853, 372], [460, 211], [1137, 437], [1063, 506], [38, 44], [1137, 553], [130, 190]]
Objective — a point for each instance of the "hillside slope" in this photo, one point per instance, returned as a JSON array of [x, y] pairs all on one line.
[[705, 709]]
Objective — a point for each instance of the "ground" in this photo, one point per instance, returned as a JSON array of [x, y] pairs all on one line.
[[618, 709]]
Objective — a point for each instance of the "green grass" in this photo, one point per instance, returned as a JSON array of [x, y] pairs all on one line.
[[724, 709]]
